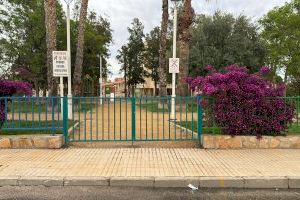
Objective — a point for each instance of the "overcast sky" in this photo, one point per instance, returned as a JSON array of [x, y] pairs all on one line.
[[121, 13]]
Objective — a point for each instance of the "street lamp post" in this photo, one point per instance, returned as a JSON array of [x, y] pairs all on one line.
[[100, 79], [70, 113], [173, 117]]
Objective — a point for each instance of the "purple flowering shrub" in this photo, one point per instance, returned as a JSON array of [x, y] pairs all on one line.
[[23, 74], [9, 88], [245, 104]]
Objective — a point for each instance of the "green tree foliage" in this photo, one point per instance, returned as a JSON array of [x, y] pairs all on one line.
[[293, 87], [23, 36], [98, 37], [280, 29], [162, 70], [152, 53], [222, 40], [80, 48], [122, 58], [23, 39], [134, 54]]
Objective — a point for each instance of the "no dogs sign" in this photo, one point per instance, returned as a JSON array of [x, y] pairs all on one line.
[[174, 65], [60, 63]]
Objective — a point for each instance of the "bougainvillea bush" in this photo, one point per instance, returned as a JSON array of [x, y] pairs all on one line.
[[245, 104], [9, 88]]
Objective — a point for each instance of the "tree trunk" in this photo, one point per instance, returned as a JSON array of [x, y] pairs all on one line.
[[125, 74], [36, 87], [285, 79], [126, 95], [185, 22], [133, 91], [50, 23], [163, 49], [155, 88], [285, 75], [80, 48]]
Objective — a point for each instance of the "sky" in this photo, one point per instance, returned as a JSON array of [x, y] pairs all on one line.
[[121, 12]]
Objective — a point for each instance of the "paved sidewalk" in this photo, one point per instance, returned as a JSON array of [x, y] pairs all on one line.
[[149, 166]]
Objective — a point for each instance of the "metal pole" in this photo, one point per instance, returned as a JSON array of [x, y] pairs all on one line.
[[61, 87], [100, 80], [65, 120], [173, 117], [70, 114]]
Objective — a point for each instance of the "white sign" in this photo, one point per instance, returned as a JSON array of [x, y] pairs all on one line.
[[60, 63], [174, 65]]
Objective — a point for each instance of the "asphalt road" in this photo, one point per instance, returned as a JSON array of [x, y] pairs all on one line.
[[106, 193]]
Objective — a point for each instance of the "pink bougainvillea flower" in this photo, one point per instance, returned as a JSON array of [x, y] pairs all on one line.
[[265, 70], [9, 88], [245, 103]]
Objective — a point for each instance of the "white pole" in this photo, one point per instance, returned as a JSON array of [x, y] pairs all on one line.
[[173, 117], [70, 113], [61, 87], [100, 80]]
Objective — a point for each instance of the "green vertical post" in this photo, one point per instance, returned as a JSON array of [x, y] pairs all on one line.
[[52, 122], [65, 119], [200, 119], [133, 128]]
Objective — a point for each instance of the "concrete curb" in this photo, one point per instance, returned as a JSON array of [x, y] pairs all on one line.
[[222, 182], [158, 182], [132, 182], [294, 182], [40, 181], [266, 182], [9, 181], [86, 181]]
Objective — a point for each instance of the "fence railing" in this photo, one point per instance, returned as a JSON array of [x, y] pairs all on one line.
[[23, 114], [134, 119], [295, 102], [116, 119]]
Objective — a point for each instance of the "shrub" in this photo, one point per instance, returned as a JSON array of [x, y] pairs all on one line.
[[9, 88], [245, 103]]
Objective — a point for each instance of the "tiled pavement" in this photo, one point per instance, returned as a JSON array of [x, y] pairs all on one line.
[[149, 162]]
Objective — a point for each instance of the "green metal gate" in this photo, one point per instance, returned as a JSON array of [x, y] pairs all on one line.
[[116, 119], [134, 119]]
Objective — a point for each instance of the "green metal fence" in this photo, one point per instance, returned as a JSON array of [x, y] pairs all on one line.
[[294, 101], [134, 119], [116, 119], [30, 114]]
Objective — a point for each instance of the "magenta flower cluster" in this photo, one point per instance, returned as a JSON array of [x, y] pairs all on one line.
[[245, 104], [9, 88], [24, 73], [265, 70]]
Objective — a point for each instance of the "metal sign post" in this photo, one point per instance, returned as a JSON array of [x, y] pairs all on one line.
[[60, 69], [174, 64], [100, 81], [173, 69]]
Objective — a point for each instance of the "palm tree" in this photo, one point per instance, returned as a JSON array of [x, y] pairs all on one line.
[[80, 48], [50, 23], [185, 21], [122, 58], [163, 48]]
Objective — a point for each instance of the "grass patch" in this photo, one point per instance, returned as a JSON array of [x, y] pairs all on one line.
[[41, 107], [293, 129], [29, 132], [193, 126], [23, 127], [154, 107]]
